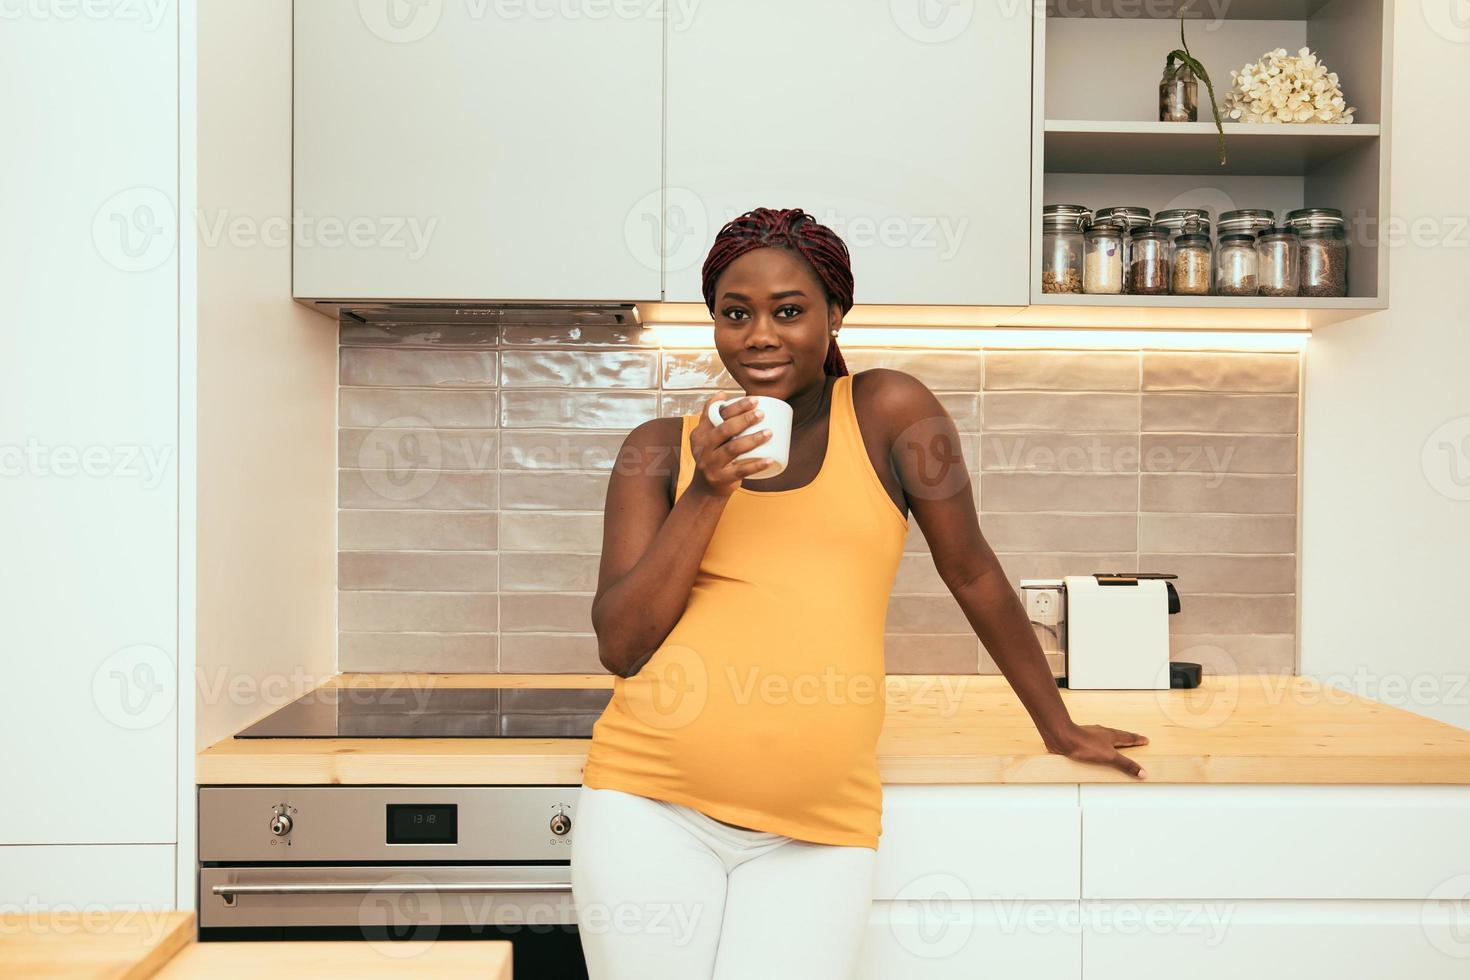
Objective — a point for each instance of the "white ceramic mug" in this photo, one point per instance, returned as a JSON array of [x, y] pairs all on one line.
[[777, 419]]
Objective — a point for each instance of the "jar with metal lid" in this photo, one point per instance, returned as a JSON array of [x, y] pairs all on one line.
[[1236, 265], [1126, 219], [1061, 247], [1245, 221], [1189, 266], [1276, 254], [1184, 221], [1102, 260], [1322, 254], [1148, 266]]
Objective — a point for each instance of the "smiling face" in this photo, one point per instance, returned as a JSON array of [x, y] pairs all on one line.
[[773, 322]]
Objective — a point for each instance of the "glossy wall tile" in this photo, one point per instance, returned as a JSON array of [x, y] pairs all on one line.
[[474, 464]]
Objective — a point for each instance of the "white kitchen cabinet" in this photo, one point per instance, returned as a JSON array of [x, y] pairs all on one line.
[[84, 877], [903, 126], [89, 449], [980, 842], [476, 150], [1259, 842]]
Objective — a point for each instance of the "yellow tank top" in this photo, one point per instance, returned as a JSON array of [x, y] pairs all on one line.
[[764, 704]]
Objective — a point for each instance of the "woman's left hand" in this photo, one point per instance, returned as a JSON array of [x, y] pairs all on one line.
[[1099, 744]]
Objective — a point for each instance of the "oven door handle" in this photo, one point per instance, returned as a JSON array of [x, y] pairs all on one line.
[[395, 888]]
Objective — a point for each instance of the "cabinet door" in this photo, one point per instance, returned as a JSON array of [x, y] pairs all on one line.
[[903, 125], [476, 150]]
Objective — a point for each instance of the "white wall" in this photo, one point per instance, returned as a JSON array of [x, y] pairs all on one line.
[[267, 389], [1386, 447], [89, 445]]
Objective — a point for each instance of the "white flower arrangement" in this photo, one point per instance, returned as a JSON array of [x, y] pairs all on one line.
[[1282, 88]]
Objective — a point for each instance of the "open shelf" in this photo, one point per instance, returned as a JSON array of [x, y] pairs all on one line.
[[1097, 141], [1039, 298], [1169, 9], [1086, 146]]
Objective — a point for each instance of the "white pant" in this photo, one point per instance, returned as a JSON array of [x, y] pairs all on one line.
[[665, 892]]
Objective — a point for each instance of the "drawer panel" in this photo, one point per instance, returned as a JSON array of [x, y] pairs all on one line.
[[979, 843], [1286, 842], [1274, 941], [972, 941]]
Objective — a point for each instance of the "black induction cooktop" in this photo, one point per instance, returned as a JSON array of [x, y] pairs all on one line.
[[437, 712]]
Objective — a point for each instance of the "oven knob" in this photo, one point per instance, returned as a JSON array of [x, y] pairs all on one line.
[[280, 825], [561, 825]]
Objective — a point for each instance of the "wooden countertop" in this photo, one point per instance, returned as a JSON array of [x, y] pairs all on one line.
[[91, 944], [463, 960], [943, 729], [101, 945]]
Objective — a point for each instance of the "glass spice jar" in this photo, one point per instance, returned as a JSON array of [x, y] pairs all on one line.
[[1189, 268], [1183, 221], [1061, 247], [1245, 221], [1126, 219], [1148, 266], [1178, 101], [1102, 260], [1322, 256], [1276, 255], [1235, 265]]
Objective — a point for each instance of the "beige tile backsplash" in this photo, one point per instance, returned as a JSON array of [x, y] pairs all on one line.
[[474, 467]]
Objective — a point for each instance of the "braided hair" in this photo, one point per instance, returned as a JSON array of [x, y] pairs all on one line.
[[795, 230]]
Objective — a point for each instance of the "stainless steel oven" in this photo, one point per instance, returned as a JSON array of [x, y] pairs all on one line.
[[392, 863]]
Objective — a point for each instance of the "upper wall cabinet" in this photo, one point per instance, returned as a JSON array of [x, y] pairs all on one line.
[[476, 151], [902, 124]]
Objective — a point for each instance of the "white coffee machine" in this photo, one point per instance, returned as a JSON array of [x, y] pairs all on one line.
[[1108, 631]]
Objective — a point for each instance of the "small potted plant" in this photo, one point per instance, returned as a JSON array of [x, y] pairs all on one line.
[[1177, 99]]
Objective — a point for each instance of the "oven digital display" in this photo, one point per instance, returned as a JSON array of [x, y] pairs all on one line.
[[423, 823]]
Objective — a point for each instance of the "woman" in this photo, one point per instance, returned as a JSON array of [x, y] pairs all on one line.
[[730, 811]]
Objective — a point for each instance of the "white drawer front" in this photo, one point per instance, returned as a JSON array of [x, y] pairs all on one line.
[[1227, 940], [979, 843], [972, 941], [1286, 842]]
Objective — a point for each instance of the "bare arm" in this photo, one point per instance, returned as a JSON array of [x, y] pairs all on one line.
[[928, 458], [651, 551]]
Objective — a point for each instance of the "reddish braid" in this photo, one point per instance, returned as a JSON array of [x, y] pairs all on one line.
[[795, 230]]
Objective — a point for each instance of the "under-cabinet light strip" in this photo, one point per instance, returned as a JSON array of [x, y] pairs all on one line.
[[971, 338]]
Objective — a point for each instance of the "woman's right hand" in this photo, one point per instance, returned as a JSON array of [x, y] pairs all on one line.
[[714, 447]]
